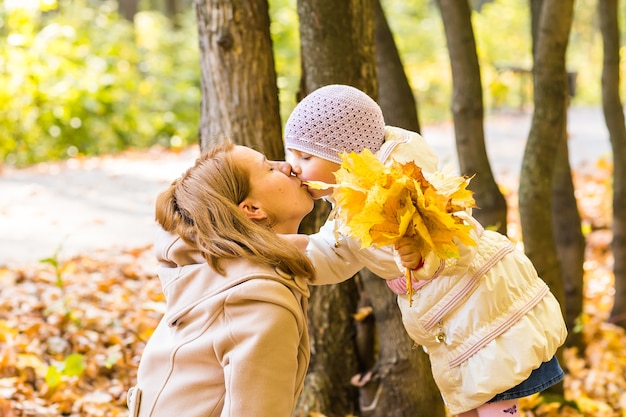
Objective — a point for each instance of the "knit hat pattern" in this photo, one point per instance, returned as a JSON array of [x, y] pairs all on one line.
[[335, 119]]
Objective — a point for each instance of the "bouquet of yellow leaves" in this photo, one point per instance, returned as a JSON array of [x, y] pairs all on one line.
[[379, 204]]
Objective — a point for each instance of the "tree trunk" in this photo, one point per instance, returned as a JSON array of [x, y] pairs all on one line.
[[568, 237], [467, 111], [569, 240], [407, 362], [172, 11], [333, 50], [337, 42], [333, 360], [239, 91], [328, 56], [403, 383], [395, 96], [614, 116], [128, 9], [548, 121]]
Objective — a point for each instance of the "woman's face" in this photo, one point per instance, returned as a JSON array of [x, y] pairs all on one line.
[[275, 193]]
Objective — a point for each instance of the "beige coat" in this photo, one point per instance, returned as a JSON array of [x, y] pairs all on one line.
[[229, 346]]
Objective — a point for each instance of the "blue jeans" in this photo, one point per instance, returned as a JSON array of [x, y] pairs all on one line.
[[548, 374]]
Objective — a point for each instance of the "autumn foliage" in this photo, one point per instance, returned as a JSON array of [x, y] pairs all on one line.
[[381, 203], [72, 332]]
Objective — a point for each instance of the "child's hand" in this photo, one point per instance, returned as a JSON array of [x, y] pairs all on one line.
[[410, 257]]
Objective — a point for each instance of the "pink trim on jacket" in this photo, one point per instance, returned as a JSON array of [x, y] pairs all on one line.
[[466, 286], [505, 325]]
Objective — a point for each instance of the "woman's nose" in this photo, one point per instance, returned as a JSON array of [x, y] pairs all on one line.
[[285, 168]]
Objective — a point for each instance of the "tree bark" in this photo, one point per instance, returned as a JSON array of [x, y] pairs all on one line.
[[239, 91], [403, 385], [569, 240], [333, 53], [467, 111], [128, 9], [548, 121], [337, 41], [614, 116], [568, 237], [395, 96]]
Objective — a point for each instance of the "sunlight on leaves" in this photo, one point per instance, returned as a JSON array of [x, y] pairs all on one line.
[[380, 204]]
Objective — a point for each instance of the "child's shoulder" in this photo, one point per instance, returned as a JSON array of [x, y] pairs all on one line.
[[405, 146]]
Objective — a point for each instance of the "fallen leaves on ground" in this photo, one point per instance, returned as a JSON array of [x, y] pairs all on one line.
[[72, 331], [71, 335]]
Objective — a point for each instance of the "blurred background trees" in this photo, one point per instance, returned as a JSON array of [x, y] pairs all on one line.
[[78, 79], [84, 77]]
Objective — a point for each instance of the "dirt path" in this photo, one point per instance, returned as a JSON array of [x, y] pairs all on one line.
[[106, 203]]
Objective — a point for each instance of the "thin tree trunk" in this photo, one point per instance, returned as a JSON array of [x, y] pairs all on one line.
[[239, 91], [467, 111], [395, 96], [337, 40], [128, 9], [569, 240], [568, 237], [172, 10], [334, 45], [614, 116], [548, 121]]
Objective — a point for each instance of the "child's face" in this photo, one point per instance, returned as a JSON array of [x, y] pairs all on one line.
[[313, 168]]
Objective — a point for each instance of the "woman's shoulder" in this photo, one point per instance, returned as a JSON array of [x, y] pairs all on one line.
[[266, 297], [257, 281]]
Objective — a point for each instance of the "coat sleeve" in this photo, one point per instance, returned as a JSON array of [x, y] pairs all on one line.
[[336, 260], [264, 359]]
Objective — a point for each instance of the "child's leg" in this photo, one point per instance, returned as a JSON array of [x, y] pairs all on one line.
[[506, 408]]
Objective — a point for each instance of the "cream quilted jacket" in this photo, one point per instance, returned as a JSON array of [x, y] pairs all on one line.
[[486, 319]]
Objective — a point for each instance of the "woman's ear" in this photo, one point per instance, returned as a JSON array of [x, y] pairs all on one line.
[[251, 210]]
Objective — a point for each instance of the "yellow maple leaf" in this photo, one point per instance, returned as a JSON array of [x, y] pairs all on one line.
[[318, 185], [380, 204]]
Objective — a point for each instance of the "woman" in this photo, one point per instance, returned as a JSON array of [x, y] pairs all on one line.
[[233, 340]]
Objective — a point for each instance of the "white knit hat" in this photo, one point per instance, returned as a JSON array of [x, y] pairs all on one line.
[[335, 119]]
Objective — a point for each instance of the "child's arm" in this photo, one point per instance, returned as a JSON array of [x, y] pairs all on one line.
[[338, 260]]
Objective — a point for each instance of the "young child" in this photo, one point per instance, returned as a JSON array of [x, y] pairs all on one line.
[[490, 325]]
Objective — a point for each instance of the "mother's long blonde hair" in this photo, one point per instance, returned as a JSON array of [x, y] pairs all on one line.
[[202, 206]]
